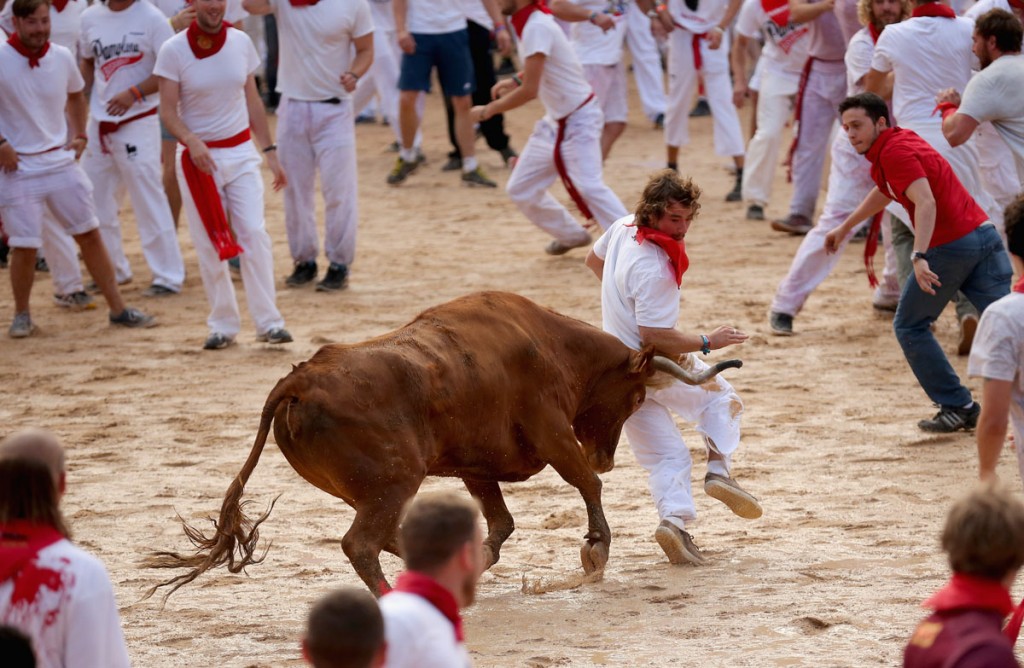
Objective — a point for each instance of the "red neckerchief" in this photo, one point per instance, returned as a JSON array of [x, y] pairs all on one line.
[[970, 592], [426, 587], [520, 17], [676, 250], [20, 542], [933, 9], [33, 58], [777, 11], [874, 32], [202, 43], [1019, 285], [302, 3], [59, 5]]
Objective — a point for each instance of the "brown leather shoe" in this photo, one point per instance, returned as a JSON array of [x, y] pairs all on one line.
[[793, 224], [678, 545], [729, 492]]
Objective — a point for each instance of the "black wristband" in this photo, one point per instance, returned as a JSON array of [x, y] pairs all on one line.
[[354, 75], [272, 147]]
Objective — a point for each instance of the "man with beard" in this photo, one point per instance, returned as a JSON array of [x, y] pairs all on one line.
[[956, 247], [209, 101], [442, 544], [38, 168]]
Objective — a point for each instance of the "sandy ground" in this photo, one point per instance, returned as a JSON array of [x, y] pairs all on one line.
[[854, 494]]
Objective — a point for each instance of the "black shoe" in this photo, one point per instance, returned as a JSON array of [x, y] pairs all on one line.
[[755, 212], [659, 122], [5, 251], [454, 164], [736, 194], [950, 419], [700, 109], [304, 273], [42, 266], [335, 279], [509, 156], [401, 171], [781, 324]]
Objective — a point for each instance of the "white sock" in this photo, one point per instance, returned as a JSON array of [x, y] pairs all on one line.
[[717, 466], [469, 164], [676, 521], [408, 154]]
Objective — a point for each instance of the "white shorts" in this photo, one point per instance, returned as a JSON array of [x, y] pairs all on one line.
[[609, 84], [24, 197]]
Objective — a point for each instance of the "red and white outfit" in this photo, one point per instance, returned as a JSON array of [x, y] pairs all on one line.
[[212, 105], [690, 56], [60, 597], [849, 182], [314, 134], [782, 61], [422, 625], [126, 149], [571, 113], [600, 53], [639, 288], [646, 59], [33, 97]]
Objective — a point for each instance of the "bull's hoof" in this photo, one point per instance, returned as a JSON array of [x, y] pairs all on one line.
[[490, 558], [594, 556]]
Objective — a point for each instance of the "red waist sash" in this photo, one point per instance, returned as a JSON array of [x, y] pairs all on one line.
[[207, 199], [560, 165], [107, 127]]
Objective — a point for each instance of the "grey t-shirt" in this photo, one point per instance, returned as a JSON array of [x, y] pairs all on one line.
[[996, 94]]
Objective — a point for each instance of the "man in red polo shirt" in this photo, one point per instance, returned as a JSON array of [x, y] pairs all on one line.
[[956, 247]]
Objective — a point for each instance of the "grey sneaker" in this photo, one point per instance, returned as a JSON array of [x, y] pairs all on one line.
[[401, 171], [156, 290], [678, 545], [755, 212], [556, 247], [217, 341], [132, 318], [75, 301], [478, 178], [729, 492], [276, 335], [22, 327], [781, 324]]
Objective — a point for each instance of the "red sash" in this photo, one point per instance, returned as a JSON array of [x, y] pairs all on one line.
[[519, 19], [426, 587], [204, 44], [107, 127], [204, 193], [798, 107], [935, 9], [564, 173], [33, 58], [20, 542], [676, 250], [871, 245]]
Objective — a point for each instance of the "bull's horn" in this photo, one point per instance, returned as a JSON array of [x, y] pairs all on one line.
[[668, 366]]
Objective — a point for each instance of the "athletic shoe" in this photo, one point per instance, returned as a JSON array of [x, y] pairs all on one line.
[[659, 122], [794, 224], [217, 341], [132, 318], [22, 326], [950, 419], [678, 545], [276, 335], [401, 171], [968, 326], [556, 247], [42, 266], [477, 178], [364, 119], [156, 290], [755, 212], [394, 147], [781, 324], [335, 279], [75, 301], [887, 305], [454, 164], [235, 266], [304, 273], [700, 109], [509, 156], [736, 194], [729, 492], [5, 252]]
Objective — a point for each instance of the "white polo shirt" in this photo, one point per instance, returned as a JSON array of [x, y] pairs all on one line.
[[785, 47], [594, 46], [212, 95], [563, 87], [312, 74]]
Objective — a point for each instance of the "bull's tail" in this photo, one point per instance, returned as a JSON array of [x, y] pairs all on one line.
[[236, 535]]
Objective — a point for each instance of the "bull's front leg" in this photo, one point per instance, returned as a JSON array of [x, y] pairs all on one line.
[[500, 524]]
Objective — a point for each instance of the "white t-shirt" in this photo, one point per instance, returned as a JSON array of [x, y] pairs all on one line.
[[418, 635], [785, 48], [827, 39], [311, 74], [123, 47], [212, 93], [32, 103], [233, 13], [563, 86], [64, 25], [996, 94], [433, 17], [859, 53], [927, 54], [477, 13], [998, 353], [69, 612], [638, 287], [709, 14], [594, 46], [383, 15], [983, 6]]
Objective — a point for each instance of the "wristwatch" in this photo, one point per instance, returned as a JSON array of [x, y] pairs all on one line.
[[918, 255]]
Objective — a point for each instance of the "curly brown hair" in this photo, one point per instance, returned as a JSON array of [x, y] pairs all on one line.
[[864, 14], [661, 191], [984, 533]]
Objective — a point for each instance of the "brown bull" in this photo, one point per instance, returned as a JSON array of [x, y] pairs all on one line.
[[488, 388]]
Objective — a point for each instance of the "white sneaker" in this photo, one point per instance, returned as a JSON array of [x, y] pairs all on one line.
[[22, 327]]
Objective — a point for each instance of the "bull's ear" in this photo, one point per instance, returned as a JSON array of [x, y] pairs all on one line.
[[640, 361]]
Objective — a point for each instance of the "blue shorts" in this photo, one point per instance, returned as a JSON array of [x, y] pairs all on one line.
[[449, 52]]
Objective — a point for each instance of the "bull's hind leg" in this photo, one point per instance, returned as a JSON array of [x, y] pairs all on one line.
[[373, 530], [500, 524]]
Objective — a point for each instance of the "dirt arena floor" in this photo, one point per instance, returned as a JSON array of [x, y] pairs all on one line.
[[831, 575]]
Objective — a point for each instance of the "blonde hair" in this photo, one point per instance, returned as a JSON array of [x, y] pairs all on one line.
[[865, 16]]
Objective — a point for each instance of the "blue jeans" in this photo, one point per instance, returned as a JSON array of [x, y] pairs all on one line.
[[978, 266]]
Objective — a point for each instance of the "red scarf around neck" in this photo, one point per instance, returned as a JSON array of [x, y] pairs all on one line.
[[33, 58], [204, 44], [520, 17], [969, 592], [59, 5], [1019, 285], [874, 32], [934, 9], [676, 250], [20, 542], [777, 11], [302, 3], [426, 587]]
